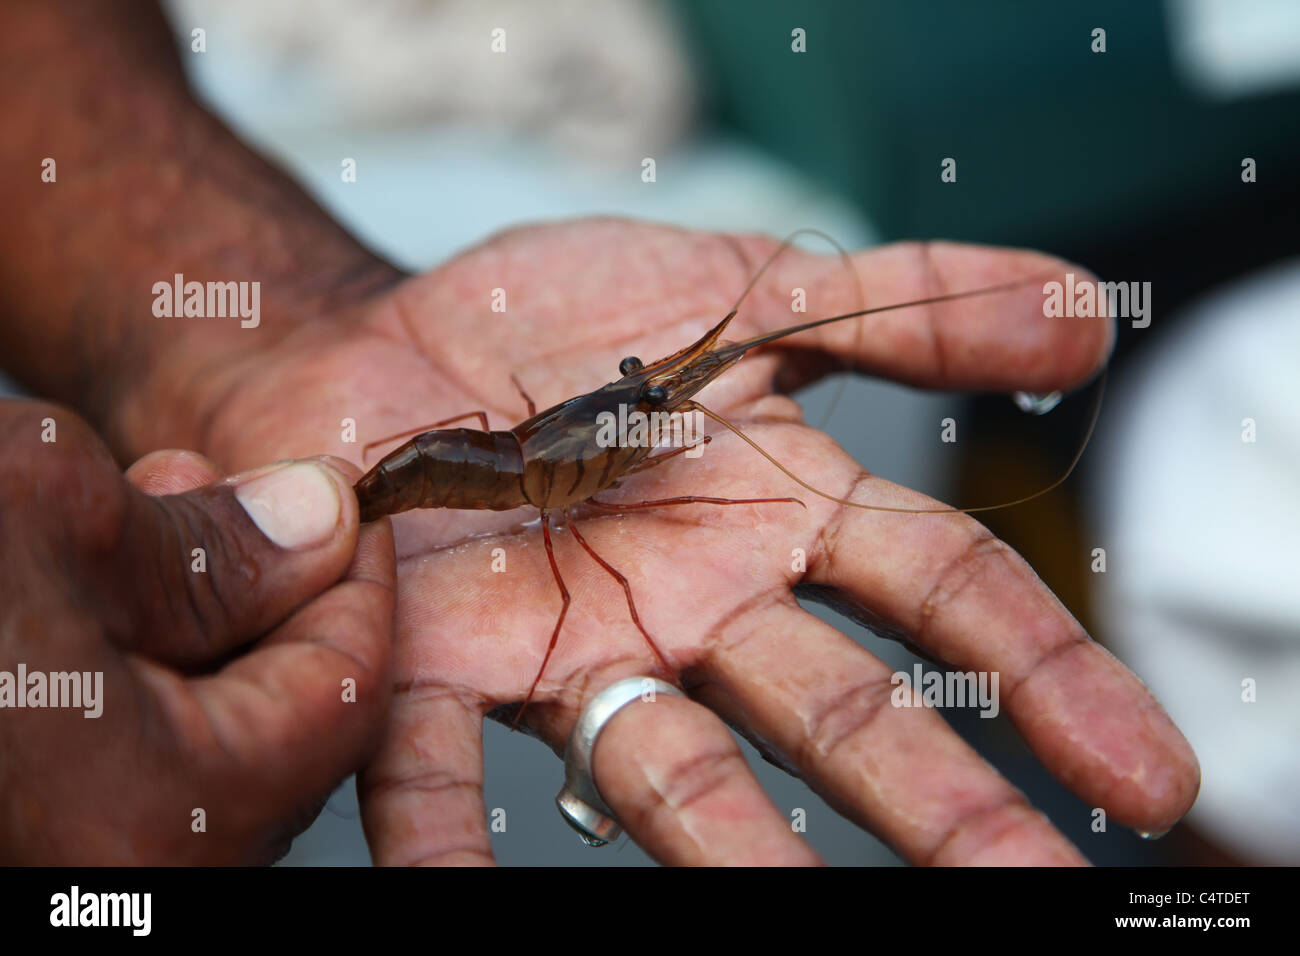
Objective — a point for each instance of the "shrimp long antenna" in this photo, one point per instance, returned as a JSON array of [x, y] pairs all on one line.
[[738, 348], [1092, 425], [847, 261], [786, 244], [710, 338]]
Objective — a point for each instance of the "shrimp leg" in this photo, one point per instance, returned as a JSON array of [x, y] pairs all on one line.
[[686, 500], [480, 415], [660, 459], [627, 590], [532, 406], [559, 622]]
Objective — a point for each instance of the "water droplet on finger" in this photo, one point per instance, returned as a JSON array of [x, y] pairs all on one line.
[[1152, 834], [1034, 403]]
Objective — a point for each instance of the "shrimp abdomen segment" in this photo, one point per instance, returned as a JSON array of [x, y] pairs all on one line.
[[450, 468]]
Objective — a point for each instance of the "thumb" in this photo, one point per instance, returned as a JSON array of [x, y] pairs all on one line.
[[216, 567]]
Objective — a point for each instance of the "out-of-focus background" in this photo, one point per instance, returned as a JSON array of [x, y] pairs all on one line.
[[1163, 149]]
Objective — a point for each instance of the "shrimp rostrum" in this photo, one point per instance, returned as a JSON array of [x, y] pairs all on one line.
[[556, 460]]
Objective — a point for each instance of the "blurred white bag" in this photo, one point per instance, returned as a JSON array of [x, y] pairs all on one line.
[[1201, 526], [598, 76]]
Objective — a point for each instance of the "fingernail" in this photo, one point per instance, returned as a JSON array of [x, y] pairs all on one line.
[[296, 506]]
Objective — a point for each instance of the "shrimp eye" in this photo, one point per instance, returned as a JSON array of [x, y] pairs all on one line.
[[630, 366], [654, 395]]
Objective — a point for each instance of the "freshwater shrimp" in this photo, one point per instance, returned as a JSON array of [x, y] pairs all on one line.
[[553, 460]]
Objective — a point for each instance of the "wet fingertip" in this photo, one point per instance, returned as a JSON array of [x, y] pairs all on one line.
[[375, 558]]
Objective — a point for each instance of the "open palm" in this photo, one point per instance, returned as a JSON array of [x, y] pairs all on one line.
[[713, 584]]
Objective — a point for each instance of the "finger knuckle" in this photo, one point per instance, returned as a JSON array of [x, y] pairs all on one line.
[[690, 781], [849, 715], [980, 551], [982, 828]]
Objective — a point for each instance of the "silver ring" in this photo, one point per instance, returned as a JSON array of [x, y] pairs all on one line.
[[579, 800]]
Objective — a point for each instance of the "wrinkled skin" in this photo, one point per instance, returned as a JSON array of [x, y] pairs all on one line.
[[713, 584], [218, 724]]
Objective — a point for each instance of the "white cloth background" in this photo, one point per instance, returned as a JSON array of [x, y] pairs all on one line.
[[1201, 529]]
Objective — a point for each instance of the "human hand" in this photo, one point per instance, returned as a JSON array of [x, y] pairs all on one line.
[[221, 689], [714, 584]]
